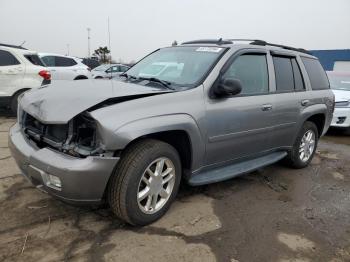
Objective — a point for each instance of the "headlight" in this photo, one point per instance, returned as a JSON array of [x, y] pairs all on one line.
[[342, 104]]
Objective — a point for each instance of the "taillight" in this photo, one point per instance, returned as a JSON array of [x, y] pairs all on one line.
[[45, 74]]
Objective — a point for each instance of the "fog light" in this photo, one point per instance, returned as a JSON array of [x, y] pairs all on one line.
[[54, 181]]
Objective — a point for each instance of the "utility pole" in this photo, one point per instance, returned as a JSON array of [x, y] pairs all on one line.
[[88, 30], [109, 43]]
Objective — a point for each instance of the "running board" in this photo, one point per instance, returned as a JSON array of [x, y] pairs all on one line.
[[234, 170]]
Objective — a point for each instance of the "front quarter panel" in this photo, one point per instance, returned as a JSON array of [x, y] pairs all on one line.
[[122, 123]]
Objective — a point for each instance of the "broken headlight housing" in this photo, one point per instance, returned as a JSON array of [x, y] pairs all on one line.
[[77, 138], [82, 139]]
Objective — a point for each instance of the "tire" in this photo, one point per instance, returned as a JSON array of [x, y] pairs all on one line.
[[14, 103], [125, 185], [294, 158]]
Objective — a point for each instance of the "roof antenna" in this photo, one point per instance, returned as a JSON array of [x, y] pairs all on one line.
[[21, 45]]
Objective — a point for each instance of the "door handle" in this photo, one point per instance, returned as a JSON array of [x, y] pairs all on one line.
[[266, 107], [305, 102]]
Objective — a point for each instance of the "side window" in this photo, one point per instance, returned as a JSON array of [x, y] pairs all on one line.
[[7, 59], [298, 78], [48, 60], [64, 61], [251, 70], [124, 68], [317, 75], [284, 74]]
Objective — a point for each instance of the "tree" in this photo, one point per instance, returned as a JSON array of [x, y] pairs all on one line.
[[103, 54], [174, 43]]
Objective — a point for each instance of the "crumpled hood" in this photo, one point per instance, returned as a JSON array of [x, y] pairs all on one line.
[[341, 95], [62, 100]]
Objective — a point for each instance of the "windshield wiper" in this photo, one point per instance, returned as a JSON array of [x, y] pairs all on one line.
[[128, 76], [162, 82]]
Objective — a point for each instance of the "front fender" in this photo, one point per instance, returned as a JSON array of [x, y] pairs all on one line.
[[127, 133]]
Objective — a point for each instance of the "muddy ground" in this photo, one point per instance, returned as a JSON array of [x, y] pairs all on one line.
[[274, 214]]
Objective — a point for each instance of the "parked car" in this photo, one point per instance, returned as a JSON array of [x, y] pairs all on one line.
[[91, 62], [232, 109], [20, 70], [65, 67], [108, 71], [340, 84], [165, 69]]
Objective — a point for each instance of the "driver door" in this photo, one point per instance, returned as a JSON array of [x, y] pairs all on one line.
[[241, 125]]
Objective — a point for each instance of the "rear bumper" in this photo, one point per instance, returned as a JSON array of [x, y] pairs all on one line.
[[341, 118], [5, 101], [83, 179]]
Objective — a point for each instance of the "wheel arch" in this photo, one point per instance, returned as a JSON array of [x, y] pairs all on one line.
[[319, 120], [179, 130], [81, 77]]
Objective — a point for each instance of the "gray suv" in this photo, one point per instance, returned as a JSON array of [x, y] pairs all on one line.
[[201, 112]]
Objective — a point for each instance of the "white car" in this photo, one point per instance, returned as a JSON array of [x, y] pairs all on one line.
[[165, 69], [65, 67], [340, 84], [20, 70], [108, 70]]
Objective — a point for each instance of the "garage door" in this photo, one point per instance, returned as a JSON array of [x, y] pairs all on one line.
[[341, 66]]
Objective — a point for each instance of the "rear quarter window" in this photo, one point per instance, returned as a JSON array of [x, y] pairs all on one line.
[[34, 59], [317, 75]]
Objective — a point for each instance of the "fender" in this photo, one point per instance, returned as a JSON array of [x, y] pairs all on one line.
[[310, 111], [127, 133]]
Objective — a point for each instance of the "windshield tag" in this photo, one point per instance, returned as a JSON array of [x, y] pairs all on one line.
[[209, 49]]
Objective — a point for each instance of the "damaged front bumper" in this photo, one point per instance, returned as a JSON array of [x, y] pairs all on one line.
[[82, 180]]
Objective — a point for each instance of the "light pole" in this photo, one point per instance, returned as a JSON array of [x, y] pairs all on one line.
[[67, 49], [88, 30]]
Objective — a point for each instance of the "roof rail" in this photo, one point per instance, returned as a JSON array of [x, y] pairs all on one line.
[[252, 42], [264, 43], [219, 41], [13, 46]]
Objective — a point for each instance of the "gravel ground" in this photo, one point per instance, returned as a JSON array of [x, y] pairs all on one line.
[[274, 214]]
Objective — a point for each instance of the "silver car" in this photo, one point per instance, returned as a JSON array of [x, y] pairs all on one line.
[[227, 108], [108, 71]]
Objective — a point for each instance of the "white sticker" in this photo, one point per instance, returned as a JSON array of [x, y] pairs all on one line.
[[209, 49]]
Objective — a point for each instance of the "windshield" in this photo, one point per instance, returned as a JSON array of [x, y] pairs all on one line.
[[339, 82], [102, 68], [179, 66]]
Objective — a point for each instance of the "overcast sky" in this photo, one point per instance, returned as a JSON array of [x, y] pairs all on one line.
[[139, 27]]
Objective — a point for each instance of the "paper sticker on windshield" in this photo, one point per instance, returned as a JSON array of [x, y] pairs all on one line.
[[209, 49]]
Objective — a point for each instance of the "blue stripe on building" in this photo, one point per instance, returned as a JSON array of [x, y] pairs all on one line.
[[328, 57]]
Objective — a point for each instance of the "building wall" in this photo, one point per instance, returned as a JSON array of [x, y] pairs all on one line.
[[329, 57]]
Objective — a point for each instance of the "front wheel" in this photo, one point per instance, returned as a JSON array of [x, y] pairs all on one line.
[[145, 182], [304, 147]]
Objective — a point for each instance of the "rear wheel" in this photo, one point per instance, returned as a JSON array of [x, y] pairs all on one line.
[[145, 182], [304, 147]]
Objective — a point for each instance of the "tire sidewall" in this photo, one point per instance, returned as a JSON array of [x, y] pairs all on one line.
[[306, 127], [133, 210]]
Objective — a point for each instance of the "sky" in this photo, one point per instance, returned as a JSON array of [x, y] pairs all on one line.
[[138, 27]]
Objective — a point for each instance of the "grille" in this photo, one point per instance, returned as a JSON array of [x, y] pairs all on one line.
[[44, 134]]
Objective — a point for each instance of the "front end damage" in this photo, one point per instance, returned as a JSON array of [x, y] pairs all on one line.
[[78, 137], [67, 161]]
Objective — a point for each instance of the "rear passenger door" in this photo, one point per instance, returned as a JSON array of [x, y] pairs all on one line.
[[290, 87], [11, 73], [65, 68]]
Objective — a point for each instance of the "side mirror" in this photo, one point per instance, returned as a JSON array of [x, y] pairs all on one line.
[[228, 87]]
